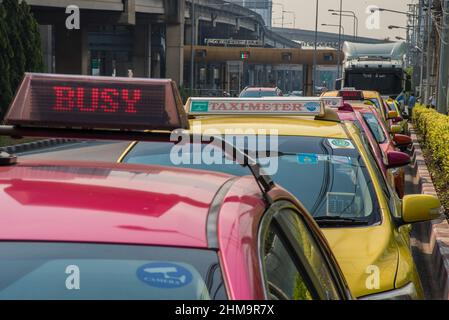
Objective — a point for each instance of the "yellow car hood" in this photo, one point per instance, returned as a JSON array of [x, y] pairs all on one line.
[[364, 254]]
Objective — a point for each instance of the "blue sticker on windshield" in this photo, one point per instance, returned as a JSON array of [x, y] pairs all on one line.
[[165, 275], [307, 158]]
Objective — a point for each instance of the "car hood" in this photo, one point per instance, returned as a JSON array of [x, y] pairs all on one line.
[[363, 253]]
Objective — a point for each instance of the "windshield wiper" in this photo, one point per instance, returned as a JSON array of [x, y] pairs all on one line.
[[337, 220]]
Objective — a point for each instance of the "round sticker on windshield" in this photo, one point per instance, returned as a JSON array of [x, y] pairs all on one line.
[[340, 144], [165, 275]]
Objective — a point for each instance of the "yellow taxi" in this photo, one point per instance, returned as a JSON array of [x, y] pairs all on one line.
[[375, 98], [327, 164], [393, 105]]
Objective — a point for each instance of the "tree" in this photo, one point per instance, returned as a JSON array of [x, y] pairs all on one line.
[[20, 48], [32, 43], [13, 21], [6, 55]]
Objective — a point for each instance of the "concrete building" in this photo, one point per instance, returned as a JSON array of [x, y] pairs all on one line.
[[115, 36], [144, 36], [230, 69], [153, 38]]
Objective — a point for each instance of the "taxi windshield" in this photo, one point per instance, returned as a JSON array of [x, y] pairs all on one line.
[[258, 93], [391, 106], [375, 102], [75, 271], [327, 175]]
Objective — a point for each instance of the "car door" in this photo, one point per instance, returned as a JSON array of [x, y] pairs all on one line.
[[294, 262]]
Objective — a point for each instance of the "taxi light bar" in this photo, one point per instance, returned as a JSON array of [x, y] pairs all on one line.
[[351, 95], [285, 106], [333, 102], [67, 101]]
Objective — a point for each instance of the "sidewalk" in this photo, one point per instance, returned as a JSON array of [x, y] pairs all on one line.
[[430, 239]]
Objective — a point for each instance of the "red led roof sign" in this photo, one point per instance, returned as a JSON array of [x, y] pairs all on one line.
[[353, 95], [97, 102]]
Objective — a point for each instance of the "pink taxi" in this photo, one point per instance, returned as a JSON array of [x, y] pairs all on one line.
[[124, 231], [383, 148]]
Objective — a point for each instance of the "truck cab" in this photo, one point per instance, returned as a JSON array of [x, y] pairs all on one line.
[[377, 67]]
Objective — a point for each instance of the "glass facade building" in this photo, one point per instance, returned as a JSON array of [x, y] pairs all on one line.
[[262, 7]]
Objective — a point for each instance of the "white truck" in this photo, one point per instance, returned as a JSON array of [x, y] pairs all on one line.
[[377, 67]]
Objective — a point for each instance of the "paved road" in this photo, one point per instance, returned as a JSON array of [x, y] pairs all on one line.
[[421, 253]]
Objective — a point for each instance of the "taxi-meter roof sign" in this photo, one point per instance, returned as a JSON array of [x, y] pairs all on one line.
[[256, 106], [333, 102], [97, 102]]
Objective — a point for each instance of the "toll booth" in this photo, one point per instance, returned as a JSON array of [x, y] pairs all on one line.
[[231, 69]]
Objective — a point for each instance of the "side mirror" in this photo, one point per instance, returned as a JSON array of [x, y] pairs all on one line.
[[402, 140], [397, 159], [398, 119], [392, 114], [419, 208], [395, 129]]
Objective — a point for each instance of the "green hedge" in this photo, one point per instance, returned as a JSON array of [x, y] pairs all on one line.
[[20, 48], [434, 129]]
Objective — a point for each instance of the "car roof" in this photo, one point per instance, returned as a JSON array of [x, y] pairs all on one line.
[[347, 115], [261, 89], [106, 203], [367, 93], [285, 126]]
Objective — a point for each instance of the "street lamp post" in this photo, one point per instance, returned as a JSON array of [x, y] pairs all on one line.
[[407, 40], [315, 47], [356, 23], [413, 16], [283, 10], [342, 29], [442, 63], [341, 32], [393, 11], [398, 27], [352, 15], [339, 41], [194, 40], [192, 45], [294, 17]]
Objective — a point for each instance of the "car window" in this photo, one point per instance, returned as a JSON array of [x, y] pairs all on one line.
[[284, 280], [375, 102], [375, 127], [391, 106], [54, 271], [373, 148], [311, 251], [334, 179], [394, 203], [258, 93]]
